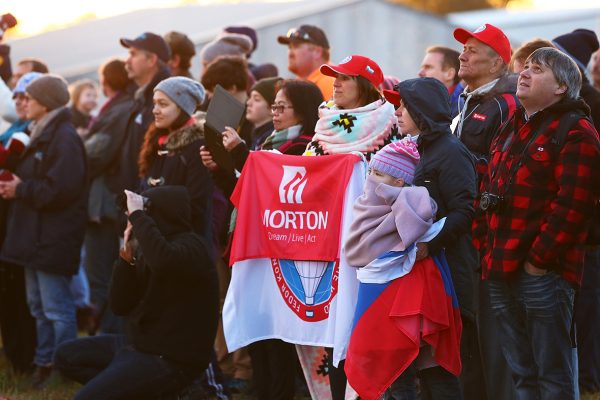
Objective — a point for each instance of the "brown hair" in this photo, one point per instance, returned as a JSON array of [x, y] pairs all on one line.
[[367, 92], [227, 71], [449, 60], [526, 49], [37, 65], [114, 74]]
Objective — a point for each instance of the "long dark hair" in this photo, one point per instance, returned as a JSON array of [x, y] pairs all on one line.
[[306, 97], [149, 149]]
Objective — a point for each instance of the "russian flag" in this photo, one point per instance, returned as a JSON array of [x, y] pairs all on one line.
[[394, 319]]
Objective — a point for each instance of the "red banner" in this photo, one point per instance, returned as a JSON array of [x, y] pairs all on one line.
[[290, 207]]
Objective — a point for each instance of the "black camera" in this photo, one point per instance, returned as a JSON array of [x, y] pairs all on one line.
[[490, 202]]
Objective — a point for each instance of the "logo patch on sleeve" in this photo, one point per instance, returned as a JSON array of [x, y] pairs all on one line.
[[479, 117]]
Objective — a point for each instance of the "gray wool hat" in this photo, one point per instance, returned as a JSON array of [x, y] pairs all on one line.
[[226, 44], [187, 93], [49, 90]]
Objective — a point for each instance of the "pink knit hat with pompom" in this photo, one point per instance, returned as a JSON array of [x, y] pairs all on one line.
[[398, 159]]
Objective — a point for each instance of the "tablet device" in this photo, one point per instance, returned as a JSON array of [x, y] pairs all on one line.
[[223, 110]]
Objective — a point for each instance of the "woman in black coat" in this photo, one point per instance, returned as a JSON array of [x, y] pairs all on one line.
[[169, 155]]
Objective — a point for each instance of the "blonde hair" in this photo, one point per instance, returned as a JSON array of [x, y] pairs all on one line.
[[77, 87]]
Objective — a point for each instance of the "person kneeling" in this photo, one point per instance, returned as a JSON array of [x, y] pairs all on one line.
[[166, 284]]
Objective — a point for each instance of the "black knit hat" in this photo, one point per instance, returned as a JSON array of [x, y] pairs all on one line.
[[267, 88], [579, 44]]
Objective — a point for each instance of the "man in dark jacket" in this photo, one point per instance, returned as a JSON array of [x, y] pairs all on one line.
[[47, 215], [532, 239], [102, 147], [447, 170], [146, 66], [168, 290], [489, 100]]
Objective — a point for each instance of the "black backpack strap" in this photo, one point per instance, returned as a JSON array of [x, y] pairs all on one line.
[[567, 122]]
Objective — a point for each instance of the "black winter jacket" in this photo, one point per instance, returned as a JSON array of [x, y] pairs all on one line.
[[485, 114], [170, 294], [124, 175], [47, 219], [447, 170], [178, 163]]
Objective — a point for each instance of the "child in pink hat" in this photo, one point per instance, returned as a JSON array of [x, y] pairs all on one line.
[[397, 322]]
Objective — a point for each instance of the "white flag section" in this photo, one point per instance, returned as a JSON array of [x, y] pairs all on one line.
[[301, 302]]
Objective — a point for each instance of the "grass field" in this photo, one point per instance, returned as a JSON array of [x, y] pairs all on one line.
[[10, 388]]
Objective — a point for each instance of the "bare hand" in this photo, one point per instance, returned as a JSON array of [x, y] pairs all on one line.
[[127, 252], [533, 270], [8, 189], [422, 251], [207, 159], [230, 138]]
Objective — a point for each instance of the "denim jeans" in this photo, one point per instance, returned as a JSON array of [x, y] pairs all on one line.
[[535, 315], [110, 368], [51, 305]]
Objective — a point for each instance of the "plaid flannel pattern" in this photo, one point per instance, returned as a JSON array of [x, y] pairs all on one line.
[[547, 207]]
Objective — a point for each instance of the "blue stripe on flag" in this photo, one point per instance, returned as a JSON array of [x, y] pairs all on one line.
[[367, 294]]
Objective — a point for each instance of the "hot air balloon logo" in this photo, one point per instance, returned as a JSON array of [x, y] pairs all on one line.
[[307, 287]]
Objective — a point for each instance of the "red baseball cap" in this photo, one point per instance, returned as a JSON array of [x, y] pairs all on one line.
[[355, 65], [392, 96], [490, 35]]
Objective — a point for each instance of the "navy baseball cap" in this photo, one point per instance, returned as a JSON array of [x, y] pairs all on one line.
[[151, 42]]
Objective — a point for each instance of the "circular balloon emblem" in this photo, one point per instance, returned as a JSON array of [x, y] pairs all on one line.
[[307, 287]]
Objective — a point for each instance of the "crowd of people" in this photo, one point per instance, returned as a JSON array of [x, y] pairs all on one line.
[[115, 218]]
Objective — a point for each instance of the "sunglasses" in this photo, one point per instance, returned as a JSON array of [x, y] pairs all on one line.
[[295, 33]]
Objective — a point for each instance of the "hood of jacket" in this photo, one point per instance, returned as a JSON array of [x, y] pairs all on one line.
[[557, 109], [506, 84], [184, 136], [427, 102], [170, 208]]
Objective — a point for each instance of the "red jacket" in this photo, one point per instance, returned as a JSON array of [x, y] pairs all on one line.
[[545, 213]]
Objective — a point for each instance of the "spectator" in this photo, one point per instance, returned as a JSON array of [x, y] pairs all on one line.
[[182, 52], [20, 100], [442, 64], [446, 169], [226, 44], [580, 45], [84, 99], [17, 326], [102, 145], [231, 72], [294, 111], [165, 283], [47, 190], [25, 65], [357, 107], [308, 49], [146, 66], [266, 70], [169, 153], [489, 100], [517, 61], [539, 225]]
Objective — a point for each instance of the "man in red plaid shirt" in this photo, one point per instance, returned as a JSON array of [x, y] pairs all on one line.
[[538, 201]]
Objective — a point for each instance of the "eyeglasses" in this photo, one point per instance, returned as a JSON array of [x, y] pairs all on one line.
[[299, 34], [279, 108]]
